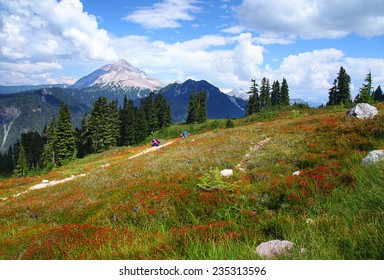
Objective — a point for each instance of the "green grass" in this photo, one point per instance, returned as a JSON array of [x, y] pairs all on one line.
[[154, 206]]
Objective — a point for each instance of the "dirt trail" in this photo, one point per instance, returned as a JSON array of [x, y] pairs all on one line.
[[151, 150], [45, 184]]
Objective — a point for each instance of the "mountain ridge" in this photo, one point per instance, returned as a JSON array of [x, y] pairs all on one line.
[[219, 105]]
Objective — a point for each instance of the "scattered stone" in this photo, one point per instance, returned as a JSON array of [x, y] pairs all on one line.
[[296, 173], [310, 221], [273, 248], [303, 250], [240, 167], [373, 157], [362, 111], [226, 173]]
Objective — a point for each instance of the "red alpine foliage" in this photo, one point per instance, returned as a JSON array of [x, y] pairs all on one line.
[[67, 241]]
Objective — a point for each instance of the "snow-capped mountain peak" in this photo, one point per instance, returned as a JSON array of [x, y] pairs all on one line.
[[239, 93], [119, 74]]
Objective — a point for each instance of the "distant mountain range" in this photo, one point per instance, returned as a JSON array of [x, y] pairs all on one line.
[[16, 89], [30, 108]]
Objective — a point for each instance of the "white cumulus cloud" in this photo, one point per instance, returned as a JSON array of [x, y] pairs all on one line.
[[166, 14], [41, 34], [314, 18]]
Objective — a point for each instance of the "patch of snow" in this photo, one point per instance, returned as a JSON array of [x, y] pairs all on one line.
[[233, 100], [239, 93]]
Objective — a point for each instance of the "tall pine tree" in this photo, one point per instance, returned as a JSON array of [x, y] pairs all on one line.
[[84, 140], [202, 107], [150, 113], [22, 164], [265, 98], [340, 93], [365, 95], [113, 125], [127, 123], [284, 93], [104, 125], [276, 94], [65, 145], [332, 94], [49, 152], [378, 95], [197, 108], [253, 102], [140, 124], [163, 111]]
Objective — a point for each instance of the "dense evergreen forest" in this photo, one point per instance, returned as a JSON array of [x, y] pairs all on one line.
[[264, 97], [106, 126]]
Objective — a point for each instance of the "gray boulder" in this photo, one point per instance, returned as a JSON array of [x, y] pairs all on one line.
[[362, 111], [373, 157], [273, 248]]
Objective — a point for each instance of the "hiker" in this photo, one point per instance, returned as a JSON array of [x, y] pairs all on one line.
[[155, 142], [186, 134]]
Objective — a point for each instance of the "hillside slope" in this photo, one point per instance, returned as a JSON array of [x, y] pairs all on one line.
[[171, 204], [32, 110]]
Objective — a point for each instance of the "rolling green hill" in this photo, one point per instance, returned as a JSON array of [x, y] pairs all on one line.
[[171, 203]]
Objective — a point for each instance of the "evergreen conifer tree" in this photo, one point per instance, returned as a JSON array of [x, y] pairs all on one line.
[[140, 124], [22, 164], [197, 108], [84, 141], [343, 91], [65, 145], [332, 94], [97, 124], [340, 93], [265, 98], [104, 125], [202, 107], [163, 111], [49, 151], [276, 94], [253, 102], [130, 124], [112, 134], [192, 109], [33, 144], [284, 91], [378, 95], [127, 119], [150, 113], [365, 95]]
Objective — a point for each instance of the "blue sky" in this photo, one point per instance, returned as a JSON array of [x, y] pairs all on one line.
[[226, 42]]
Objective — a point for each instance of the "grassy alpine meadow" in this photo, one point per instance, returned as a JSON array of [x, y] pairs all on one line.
[[172, 203]]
